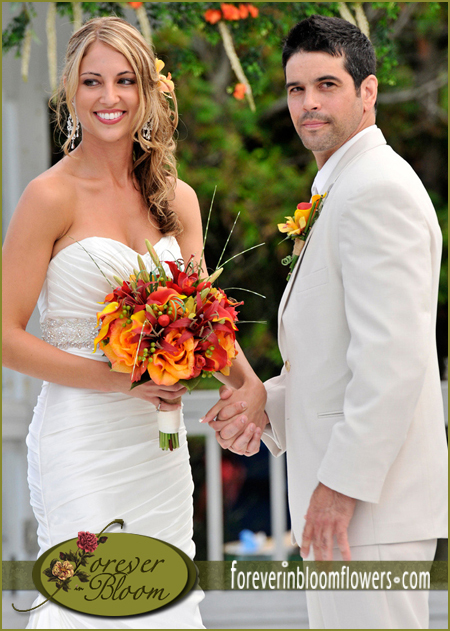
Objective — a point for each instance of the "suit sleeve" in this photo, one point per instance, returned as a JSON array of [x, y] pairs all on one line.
[[274, 436], [384, 245]]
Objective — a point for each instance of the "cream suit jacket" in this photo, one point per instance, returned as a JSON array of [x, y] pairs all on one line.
[[358, 404]]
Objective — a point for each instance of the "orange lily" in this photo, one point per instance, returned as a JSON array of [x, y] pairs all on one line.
[[109, 313]]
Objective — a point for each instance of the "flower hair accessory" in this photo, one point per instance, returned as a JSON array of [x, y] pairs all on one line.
[[299, 227], [165, 84]]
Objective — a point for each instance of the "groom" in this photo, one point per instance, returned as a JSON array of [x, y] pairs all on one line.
[[358, 405]]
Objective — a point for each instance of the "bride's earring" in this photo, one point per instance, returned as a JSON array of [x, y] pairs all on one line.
[[147, 130], [70, 127]]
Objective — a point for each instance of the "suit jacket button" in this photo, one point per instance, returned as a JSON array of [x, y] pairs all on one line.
[[287, 365]]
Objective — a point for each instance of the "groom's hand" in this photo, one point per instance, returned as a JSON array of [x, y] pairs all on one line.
[[238, 418], [329, 514]]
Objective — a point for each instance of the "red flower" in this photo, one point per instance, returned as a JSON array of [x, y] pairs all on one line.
[[230, 12], [87, 541], [181, 282], [135, 5], [254, 12], [239, 91], [212, 16]]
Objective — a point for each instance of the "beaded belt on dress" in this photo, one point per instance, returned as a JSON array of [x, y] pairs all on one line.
[[74, 333]]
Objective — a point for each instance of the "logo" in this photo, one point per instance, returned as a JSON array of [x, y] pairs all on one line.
[[120, 574]]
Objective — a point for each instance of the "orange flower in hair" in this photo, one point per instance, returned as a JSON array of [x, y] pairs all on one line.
[[165, 84]]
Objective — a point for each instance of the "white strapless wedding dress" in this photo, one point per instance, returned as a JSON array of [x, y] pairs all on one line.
[[93, 456]]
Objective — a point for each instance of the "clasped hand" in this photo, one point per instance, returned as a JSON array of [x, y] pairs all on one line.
[[149, 391], [239, 419]]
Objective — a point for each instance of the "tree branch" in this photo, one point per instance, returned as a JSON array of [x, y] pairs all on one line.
[[415, 93]]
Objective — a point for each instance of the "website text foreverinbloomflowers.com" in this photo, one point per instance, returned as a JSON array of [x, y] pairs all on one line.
[[307, 576]]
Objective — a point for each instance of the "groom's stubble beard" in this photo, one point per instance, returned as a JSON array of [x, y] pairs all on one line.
[[323, 139], [333, 136]]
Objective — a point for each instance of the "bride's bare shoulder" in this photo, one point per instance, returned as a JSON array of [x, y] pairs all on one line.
[[49, 199], [55, 184], [185, 202]]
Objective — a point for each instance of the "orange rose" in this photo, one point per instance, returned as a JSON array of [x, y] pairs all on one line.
[[212, 16], [123, 341], [135, 5], [168, 366], [227, 342], [254, 12]]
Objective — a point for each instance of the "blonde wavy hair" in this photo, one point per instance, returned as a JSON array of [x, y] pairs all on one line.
[[154, 164]]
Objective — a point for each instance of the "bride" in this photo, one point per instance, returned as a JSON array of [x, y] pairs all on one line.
[[93, 452]]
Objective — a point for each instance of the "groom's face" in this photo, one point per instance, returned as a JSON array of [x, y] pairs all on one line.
[[324, 105]]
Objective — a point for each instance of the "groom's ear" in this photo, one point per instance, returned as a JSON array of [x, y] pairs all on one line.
[[369, 92]]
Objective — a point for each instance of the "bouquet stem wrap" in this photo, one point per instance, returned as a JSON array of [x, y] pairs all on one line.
[[169, 422]]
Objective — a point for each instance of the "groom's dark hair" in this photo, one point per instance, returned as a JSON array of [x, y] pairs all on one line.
[[337, 37]]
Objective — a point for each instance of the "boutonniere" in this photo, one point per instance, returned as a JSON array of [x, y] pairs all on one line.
[[299, 227]]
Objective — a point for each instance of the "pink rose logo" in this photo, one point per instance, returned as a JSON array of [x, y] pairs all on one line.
[[87, 541]]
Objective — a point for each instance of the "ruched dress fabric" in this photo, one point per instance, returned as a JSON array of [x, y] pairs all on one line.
[[93, 456]]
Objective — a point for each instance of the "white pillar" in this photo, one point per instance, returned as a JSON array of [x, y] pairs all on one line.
[[278, 511], [214, 498]]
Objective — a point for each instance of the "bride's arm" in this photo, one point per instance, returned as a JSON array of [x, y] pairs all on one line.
[[246, 386], [41, 218]]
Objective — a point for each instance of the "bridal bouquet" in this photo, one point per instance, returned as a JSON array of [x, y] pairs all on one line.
[[169, 330]]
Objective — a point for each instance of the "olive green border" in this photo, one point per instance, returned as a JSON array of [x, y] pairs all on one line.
[[216, 575]]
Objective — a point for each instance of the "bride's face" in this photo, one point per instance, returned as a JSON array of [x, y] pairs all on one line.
[[107, 97]]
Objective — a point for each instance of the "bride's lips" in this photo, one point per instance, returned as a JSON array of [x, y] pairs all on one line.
[[109, 121]]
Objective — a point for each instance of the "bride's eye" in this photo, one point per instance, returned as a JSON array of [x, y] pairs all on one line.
[[125, 81], [90, 82]]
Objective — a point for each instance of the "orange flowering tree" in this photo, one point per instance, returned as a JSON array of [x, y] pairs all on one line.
[[243, 28]]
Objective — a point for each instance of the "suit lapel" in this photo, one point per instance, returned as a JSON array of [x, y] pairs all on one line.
[[288, 289], [367, 142]]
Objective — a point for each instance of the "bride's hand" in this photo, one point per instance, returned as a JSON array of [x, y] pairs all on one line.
[[151, 392]]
